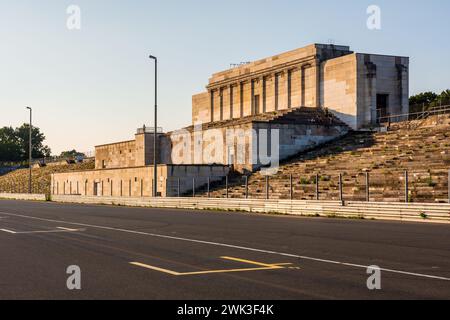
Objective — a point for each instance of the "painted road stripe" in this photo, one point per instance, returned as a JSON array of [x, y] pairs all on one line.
[[420, 275], [174, 273], [61, 229], [70, 230], [8, 231]]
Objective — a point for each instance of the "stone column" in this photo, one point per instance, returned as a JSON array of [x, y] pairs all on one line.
[[221, 103], [317, 82], [252, 97], [371, 93], [231, 88], [302, 85], [264, 95], [276, 90], [289, 88], [241, 99], [211, 96], [403, 89]]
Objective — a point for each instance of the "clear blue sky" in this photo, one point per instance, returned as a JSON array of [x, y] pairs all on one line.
[[95, 85]]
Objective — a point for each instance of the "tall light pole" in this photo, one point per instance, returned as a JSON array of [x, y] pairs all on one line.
[[30, 148], [155, 133]]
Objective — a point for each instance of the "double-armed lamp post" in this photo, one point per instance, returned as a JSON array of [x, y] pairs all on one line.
[[155, 133], [30, 148]]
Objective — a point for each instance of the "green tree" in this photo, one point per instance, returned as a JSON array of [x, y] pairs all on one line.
[[39, 150], [444, 97], [9, 145], [424, 98]]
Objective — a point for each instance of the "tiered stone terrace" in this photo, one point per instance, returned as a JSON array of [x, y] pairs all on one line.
[[423, 151]]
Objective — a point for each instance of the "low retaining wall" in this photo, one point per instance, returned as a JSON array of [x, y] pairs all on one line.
[[23, 196], [418, 212]]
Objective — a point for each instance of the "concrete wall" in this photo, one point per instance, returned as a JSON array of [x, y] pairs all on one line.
[[134, 153], [296, 138], [338, 88], [116, 155], [350, 84], [239, 145], [200, 108], [133, 182], [437, 213], [23, 196], [390, 75]]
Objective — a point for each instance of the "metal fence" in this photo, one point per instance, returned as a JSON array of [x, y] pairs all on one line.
[[419, 115], [426, 186], [401, 186]]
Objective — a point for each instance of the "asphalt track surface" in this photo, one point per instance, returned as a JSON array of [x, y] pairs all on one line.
[[141, 253]]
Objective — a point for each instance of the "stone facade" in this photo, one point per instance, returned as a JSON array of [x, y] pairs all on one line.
[[250, 115], [133, 153], [318, 75], [245, 143], [135, 181]]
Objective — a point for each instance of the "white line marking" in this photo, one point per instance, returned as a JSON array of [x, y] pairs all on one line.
[[421, 275], [43, 231], [67, 229], [8, 231]]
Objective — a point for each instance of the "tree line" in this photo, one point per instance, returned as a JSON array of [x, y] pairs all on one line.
[[430, 99]]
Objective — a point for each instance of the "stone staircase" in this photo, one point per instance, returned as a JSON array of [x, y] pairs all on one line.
[[298, 115], [423, 151]]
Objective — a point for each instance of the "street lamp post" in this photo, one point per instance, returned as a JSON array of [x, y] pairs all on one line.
[[155, 133], [30, 148]]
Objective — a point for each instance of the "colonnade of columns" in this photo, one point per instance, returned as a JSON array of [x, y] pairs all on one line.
[[268, 92]]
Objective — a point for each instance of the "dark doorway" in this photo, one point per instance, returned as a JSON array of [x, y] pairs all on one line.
[[382, 107], [256, 104]]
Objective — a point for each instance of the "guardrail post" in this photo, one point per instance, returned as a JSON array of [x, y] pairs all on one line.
[[341, 194], [267, 187], [178, 187], [193, 187], [291, 190], [406, 187], [209, 190], [226, 185], [317, 187], [246, 187], [367, 187]]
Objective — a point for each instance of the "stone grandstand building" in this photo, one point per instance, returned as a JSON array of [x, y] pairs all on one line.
[[253, 116]]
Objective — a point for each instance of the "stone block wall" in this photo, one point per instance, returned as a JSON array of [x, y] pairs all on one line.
[[280, 82], [338, 88], [350, 85], [134, 153], [134, 182]]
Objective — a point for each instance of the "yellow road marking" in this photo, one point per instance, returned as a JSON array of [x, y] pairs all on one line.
[[263, 266], [251, 262], [155, 268]]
